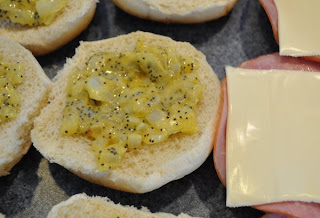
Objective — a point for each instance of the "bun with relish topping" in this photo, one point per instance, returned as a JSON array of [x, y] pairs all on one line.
[[32, 94], [151, 165], [42, 39]]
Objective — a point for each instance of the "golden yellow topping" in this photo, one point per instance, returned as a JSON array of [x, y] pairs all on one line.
[[31, 12], [123, 100], [10, 76]]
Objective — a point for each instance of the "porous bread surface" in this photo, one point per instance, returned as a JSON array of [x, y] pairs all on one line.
[[43, 39], [192, 11], [15, 134], [144, 169], [81, 205]]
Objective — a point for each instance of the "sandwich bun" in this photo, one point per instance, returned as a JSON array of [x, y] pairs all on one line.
[[43, 39], [81, 205], [168, 11], [15, 133], [144, 169]]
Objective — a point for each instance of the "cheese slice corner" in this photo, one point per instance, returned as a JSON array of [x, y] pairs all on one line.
[[299, 27]]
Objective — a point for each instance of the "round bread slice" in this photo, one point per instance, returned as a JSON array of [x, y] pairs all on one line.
[[177, 11], [144, 169], [43, 39], [15, 134], [81, 205]]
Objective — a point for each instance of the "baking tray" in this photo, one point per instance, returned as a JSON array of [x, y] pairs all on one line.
[[35, 185]]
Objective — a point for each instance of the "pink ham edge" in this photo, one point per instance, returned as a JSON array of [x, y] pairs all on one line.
[[271, 61], [271, 10], [274, 215], [219, 150], [275, 61]]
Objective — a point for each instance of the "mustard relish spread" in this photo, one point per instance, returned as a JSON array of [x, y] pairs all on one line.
[[123, 100], [11, 75], [31, 12]]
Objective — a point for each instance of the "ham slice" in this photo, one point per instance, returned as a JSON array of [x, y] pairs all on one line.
[[271, 10], [271, 61]]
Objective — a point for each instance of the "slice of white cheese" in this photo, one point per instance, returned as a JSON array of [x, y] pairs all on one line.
[[299, 27], [273, 136]]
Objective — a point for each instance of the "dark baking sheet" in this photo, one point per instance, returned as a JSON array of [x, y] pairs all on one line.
[[34, 185]]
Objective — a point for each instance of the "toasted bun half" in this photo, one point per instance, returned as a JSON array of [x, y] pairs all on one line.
[[177, 11], [81, 205], [15, 134], [41, 40], [144, 169]]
